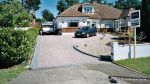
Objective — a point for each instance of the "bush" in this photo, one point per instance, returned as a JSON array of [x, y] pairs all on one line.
[[14, 14], [15, 45], [31, 36]]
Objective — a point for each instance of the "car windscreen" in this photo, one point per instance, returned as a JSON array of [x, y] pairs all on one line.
[[84, 28], [48, 26]]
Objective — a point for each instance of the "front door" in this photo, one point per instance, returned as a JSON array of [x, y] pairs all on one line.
[[94, 24], [88, 23], [117, 25]]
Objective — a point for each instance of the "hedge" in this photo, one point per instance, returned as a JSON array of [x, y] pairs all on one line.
[[16, 45]]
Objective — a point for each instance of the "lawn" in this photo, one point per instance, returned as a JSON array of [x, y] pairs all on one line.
[[12, 72], [139, 64]]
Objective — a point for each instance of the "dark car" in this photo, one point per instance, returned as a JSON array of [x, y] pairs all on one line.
[[86, 31]]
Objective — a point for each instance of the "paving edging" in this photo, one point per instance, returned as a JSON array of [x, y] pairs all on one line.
[[32, 53], [74, 46], [130, 69]]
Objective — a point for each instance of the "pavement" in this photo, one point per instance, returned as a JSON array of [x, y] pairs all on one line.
[[66, 75], [119, 73], [55, 61]]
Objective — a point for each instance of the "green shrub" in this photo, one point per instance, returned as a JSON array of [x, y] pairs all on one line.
[[15, 45], [31, 35], [14, 14], [12, 46]]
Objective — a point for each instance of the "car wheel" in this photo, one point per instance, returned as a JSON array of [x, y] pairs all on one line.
[[87, 35]]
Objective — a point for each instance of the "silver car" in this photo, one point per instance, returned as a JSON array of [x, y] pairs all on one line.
[[47, 28]]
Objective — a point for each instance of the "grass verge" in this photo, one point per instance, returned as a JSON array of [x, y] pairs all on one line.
[[10, 73], [139, 64]]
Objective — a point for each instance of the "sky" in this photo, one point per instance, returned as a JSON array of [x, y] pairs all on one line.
[[51, 6]]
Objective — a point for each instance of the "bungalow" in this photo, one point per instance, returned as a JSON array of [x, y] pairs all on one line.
[[93, 14]]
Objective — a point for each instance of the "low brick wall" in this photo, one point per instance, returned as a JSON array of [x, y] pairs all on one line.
[[105, 30], [73, 29], [70, 29]]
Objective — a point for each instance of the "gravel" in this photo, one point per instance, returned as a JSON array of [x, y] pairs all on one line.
[[97, 45]]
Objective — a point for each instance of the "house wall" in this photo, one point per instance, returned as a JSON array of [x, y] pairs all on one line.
[[122, 24], [62, 22], [127, 22], [97, 21], [120, 52]]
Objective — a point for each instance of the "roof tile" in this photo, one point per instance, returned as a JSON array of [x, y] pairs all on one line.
[[101, 12]]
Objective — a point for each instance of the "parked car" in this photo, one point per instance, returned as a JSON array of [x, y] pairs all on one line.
[[50, 28], [47, 28], [86, 31]]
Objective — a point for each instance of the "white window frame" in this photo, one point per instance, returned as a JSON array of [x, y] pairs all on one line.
[[88, 9]]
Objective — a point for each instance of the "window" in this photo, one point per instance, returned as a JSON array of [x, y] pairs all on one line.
[[94, 24], [74, 23], [88, 23], [88, 9], [108, 24], [122, 22], [84, 9]]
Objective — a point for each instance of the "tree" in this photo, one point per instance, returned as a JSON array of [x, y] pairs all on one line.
[[125, 4], [32, 5], [64, 4], [13, 14], [101, 1], [146, 17], [120, 4], [61, 6], [47, 15], [71, 2], [39, 20], [133, 4], [98, 1]]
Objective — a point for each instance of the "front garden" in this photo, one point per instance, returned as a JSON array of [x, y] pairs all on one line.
[[15, 52], [16, 46], [139, 64]]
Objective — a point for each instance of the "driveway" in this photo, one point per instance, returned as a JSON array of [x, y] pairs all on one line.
[[56, 62], [56, 51]]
